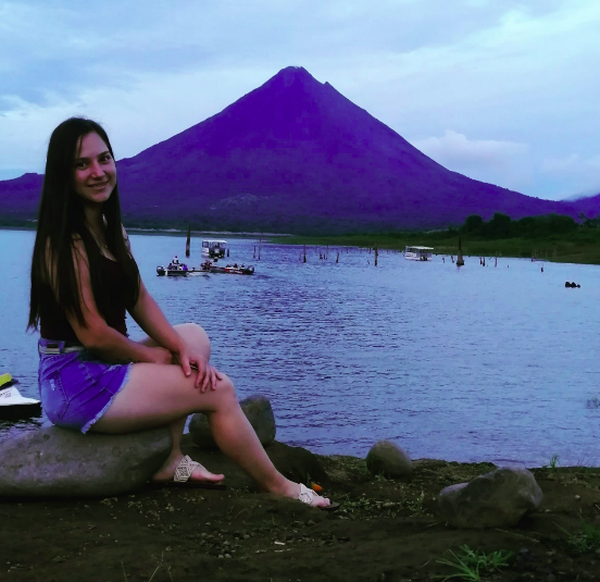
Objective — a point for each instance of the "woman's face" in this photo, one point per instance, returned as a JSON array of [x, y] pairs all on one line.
[[95, 170]]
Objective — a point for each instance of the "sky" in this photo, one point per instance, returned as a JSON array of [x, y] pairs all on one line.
[[501, 91]]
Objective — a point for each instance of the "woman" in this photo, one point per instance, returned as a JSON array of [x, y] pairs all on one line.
[[92, 376]]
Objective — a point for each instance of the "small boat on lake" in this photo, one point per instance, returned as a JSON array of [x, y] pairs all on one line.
[[235, 269], [173, 269], [416, 253], [214, 248], [13, 406]]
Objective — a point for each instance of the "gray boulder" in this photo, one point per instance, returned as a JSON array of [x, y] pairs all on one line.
[[387, 458], [54, 462], [258, 411], [497, 499]]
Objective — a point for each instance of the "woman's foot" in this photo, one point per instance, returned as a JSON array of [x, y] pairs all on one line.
[[182, 465], [304, 494]]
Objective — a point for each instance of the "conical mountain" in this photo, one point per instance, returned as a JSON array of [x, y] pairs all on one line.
[[295, 155]]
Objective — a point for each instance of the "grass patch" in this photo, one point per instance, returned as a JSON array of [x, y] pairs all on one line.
[[470, 564], [585, 540], [553, 463]]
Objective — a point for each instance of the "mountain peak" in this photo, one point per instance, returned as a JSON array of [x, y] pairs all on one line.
[[294, 155], [292, 77]]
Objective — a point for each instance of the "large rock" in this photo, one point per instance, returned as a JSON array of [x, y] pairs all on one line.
[[258, 411], [53, 462], [497, 499], [387, 458]]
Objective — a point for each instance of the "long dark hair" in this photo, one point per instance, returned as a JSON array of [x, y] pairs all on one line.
[[61, 220]]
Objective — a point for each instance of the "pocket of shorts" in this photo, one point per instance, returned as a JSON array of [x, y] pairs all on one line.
[[53, 397]]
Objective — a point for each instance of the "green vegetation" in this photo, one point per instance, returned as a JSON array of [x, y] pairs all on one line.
[[551, 238], [553, 463], [585, 540], [471, 563]]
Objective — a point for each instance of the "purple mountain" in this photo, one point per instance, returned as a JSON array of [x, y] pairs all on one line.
[[294, 155]]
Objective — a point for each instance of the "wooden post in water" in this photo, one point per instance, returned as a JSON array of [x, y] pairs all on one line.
[[376, 254], [187, 242], [259, 245], [337, 259], [459, 259], [304, 259]]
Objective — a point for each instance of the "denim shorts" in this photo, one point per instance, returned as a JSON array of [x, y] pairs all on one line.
[[76, 387]]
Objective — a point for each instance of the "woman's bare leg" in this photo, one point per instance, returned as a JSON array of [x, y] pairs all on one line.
[[195, 336], [158, 395]]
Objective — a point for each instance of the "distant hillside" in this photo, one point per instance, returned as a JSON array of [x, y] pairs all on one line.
[[294, 155]]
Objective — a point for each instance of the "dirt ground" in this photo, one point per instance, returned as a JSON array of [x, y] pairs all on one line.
[[384, 530]]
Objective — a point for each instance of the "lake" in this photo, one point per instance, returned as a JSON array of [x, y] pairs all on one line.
[[468, 364]]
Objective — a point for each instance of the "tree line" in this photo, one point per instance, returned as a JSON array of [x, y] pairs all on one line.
[[501, 226]]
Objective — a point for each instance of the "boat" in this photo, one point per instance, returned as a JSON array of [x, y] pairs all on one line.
[[180, 270], [413, 253], [214, 248], [173, 269], [13, 406], [235, 269]]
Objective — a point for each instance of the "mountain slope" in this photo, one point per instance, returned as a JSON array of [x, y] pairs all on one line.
[[295, 155]]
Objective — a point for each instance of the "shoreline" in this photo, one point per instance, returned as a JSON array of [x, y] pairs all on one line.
[[384, 529], [578, 257]]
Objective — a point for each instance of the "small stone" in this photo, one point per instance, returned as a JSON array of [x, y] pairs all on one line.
[[497, 499], [388, 459]]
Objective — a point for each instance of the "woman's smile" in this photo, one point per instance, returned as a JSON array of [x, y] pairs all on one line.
[[95, 171]]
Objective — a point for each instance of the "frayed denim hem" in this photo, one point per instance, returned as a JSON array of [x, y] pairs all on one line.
[[86, 427]]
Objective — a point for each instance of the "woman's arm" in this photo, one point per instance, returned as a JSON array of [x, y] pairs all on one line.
[[152, 320], [95, 334]]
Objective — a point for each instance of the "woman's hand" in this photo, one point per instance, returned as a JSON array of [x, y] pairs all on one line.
[[158, 355], [207, 374]]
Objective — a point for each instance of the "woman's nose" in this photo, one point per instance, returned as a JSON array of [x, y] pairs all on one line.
[[96, 169]]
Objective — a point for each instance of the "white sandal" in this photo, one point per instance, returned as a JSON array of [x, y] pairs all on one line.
[[182, 475], [307, 496]]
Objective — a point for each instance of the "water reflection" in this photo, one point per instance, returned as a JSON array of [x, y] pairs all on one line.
[[475, 364]]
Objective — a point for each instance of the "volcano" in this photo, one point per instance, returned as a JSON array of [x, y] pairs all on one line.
[[293, 156]]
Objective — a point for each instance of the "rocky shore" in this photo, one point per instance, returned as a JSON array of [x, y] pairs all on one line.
[[386, 529]]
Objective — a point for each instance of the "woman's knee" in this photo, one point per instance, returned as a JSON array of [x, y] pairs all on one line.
[[225, 389], [193, 334]]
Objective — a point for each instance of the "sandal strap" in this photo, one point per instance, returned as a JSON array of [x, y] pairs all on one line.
[[306, 495], [184, 470]]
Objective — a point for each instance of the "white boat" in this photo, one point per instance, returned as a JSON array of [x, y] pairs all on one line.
[[418, 253], [13, 406], [214, 248]]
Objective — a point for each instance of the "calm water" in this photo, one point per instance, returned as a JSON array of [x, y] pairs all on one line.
[[465, 364]]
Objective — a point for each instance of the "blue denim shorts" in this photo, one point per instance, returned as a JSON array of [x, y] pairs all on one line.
[[76, 387]]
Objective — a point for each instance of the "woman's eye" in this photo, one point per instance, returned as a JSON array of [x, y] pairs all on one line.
[[80, 165]]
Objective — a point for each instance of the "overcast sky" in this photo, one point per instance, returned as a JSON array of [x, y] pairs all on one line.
[[505, 92]]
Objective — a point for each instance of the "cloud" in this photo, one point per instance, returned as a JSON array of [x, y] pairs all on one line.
[[479, 159], [509, 72], [577, 174]]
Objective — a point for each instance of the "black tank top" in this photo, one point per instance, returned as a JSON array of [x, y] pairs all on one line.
[[54, 324]]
